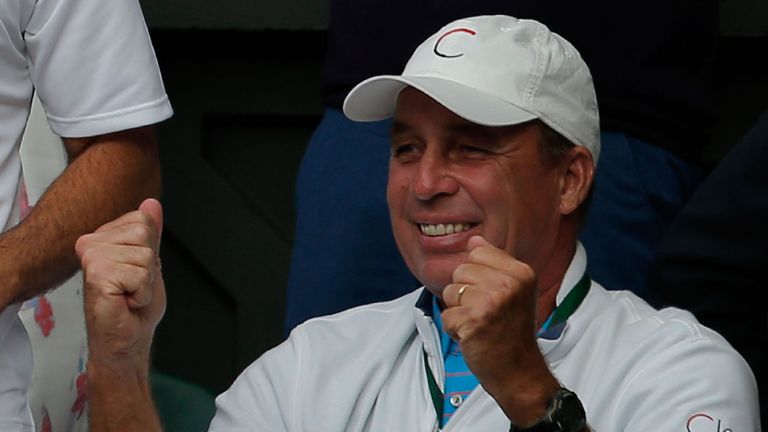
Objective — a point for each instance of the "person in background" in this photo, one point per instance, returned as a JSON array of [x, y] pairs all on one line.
[[651, 62], [495, 137], [94, 69], [712, 259]]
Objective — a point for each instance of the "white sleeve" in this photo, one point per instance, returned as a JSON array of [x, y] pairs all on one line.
[[93, 66], [698, 386], [263, 397]]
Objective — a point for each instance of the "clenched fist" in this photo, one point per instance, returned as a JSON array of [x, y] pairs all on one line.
[[124, 291], [124, 301], [491, 312]]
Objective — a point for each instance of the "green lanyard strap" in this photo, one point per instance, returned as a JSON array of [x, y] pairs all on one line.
[[571, 302], [434, 391]]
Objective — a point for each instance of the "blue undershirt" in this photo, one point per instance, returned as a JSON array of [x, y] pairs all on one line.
[[459, 380]]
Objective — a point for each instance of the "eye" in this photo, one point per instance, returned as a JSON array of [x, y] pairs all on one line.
[[403, 150], [472, 151]]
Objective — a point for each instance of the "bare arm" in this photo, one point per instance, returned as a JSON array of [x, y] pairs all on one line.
[[107, 176], [120, 397]]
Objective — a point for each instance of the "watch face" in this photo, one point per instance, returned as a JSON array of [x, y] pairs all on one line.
[[564, 414], [567, 413]]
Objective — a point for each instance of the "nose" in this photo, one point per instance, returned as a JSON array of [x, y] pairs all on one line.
[[433, 178]]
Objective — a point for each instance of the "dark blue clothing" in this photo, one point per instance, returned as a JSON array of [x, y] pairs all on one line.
[[344, 254], [713, 259], [639, 188]]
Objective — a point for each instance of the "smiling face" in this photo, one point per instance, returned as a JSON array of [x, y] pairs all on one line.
[[450, 179]]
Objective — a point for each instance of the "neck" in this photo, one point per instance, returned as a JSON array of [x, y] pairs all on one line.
[[551, 276]]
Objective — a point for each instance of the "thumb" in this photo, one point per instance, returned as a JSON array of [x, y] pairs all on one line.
[[153, 208], [477, 241]]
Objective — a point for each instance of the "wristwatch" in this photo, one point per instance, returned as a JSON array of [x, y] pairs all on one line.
[[564, 414]]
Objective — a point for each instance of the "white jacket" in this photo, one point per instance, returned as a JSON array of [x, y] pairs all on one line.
[[634, 369]]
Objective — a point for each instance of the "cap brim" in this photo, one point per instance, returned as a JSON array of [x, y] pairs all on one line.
[[376, 99]]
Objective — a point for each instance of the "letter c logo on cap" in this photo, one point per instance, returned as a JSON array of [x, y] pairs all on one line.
[[440, 40]]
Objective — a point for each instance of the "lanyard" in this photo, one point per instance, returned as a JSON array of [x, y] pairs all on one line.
[[570, 303], [434, 390], [561, 313]]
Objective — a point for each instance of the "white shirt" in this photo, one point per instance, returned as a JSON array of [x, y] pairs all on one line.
[[634, 369], [95, 72]]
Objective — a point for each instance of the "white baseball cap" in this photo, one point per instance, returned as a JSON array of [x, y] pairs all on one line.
[[494, 71]]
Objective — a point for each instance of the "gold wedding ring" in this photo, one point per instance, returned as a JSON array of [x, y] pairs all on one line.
[[460, 293]]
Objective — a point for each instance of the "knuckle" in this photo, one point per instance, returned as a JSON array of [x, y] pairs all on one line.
[[475, 254], [146, 255], [466, 330], [89, 274], [459, 271], [456, 273], [448, 291], [508, 282], [89, 256], [491, 306], [451, 325], [82, 244], [143, 274], [496, 299], [527, 275], [142, 233], [510, 265], [94, 270]]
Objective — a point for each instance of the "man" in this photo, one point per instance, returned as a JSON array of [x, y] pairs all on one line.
[[494, 141], [94, 70], [655, 118]]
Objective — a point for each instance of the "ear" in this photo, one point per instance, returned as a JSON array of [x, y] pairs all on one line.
[[578, 173]]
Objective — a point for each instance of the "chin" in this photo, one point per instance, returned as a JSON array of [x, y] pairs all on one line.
[[436, 275], [436, 291]]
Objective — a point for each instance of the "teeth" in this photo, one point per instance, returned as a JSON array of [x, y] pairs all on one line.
[[443, 229]]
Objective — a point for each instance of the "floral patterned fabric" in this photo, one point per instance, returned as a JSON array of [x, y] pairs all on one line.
[[54, 321]]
